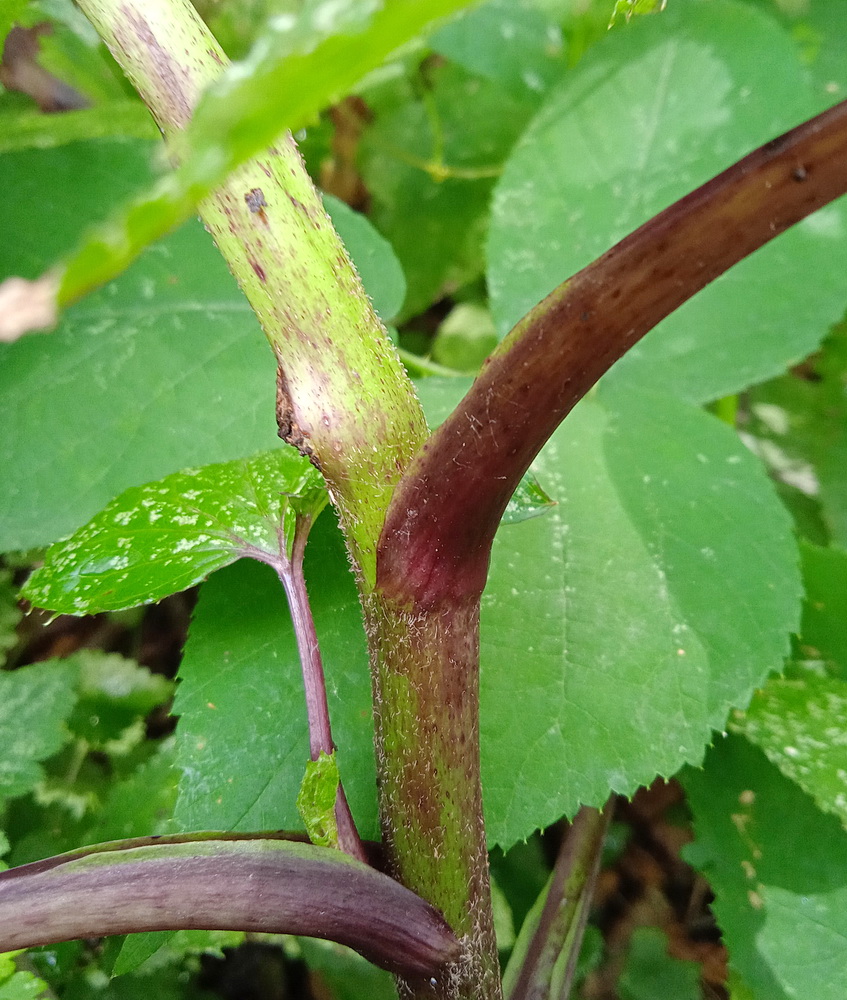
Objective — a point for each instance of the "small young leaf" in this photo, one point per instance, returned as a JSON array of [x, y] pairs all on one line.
[[632, 8], [316, 800], [158, 539], [528, 500]]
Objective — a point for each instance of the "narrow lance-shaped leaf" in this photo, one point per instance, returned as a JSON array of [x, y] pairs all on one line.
[[157, 539]]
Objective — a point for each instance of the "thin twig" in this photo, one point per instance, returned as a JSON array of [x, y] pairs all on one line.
[[290, 572], [556, 935]]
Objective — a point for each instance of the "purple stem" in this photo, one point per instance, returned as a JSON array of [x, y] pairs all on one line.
[[251, 885], [290, 572]]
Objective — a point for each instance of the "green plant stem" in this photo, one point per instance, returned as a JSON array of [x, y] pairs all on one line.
[[544, 959], [438, 533], [344, 398], [427, 743]]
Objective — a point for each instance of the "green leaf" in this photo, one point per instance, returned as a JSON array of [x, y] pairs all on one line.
[[650, 113], [822, 632], [242, 739], [35, 704], [797, 722], [650, 972], [528, 500], [113, 694], [515, 45], [9, 14], [165, 368], [50, 196], [22, 986], [161, 538], [429, 161], [24, 129], [121, 393], [618, 629], [778, 867], [798, 425], [465, 338], [633, 8], [141, 804], [299, 65], [316, 800], [376, 262], [348, 975], [10, 614], [818, 27]]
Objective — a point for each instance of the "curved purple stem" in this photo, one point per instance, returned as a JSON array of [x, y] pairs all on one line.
[[266, 886]]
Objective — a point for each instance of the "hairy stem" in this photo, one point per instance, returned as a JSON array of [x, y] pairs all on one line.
[[343, 397], [427, 741], [437, 536]]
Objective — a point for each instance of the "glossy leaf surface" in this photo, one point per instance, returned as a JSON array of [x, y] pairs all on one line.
[[166, 536]]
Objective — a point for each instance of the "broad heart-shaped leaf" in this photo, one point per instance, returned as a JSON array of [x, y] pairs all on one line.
[[168, 535], [163, 369], [618, 629], [242, 740], [799, 723], [654, 110], [35, 703], [778, 867]]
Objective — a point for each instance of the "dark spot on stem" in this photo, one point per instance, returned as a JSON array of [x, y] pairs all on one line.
[[260, 271], [800, 173]]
